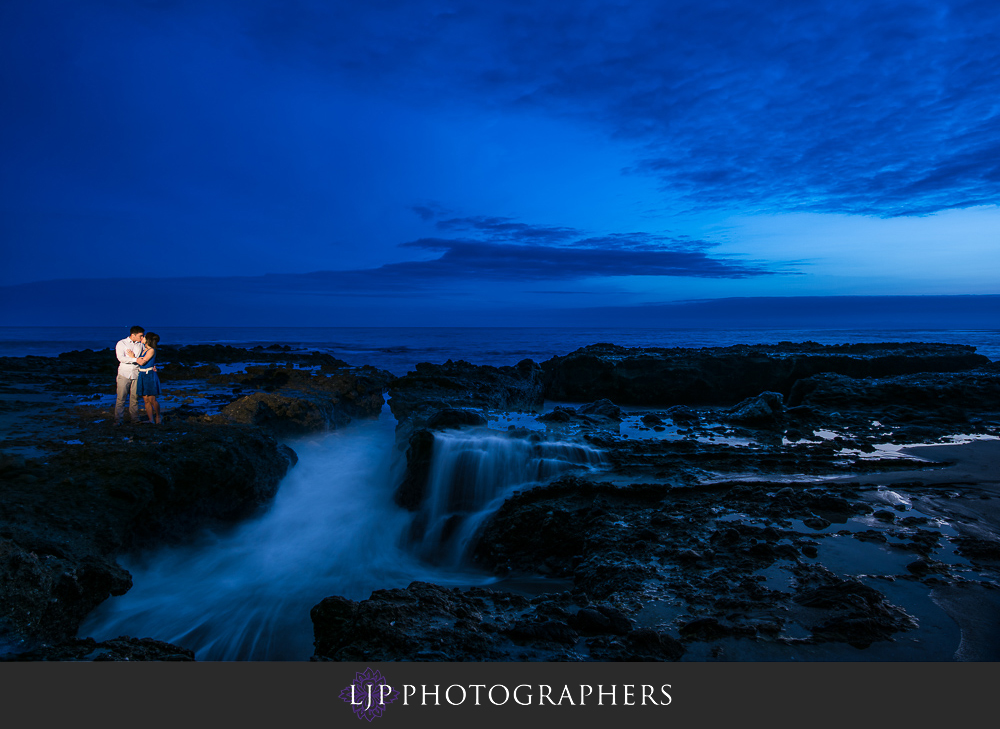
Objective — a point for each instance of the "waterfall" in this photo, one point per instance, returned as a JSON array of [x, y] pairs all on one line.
[[472, 473], [245, 592]]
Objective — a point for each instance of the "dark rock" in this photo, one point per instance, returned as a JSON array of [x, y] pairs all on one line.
[[817, 523], [449, 393], [590, 622], [559, 415], [842, 594], [762, 409], [108, 495], [654, 376], [424, 620], [410, 493], [294, 402], [704, 629], [681, 414], [432, 387], [861, 614], [122, 648], [978, 549], [46, 597], [600, 619], [174, 371], [689, 556], [858, 631], [602, 408], [455, 418], [931, 397], [602, 577], [548, 631], [918, 567], [647, 644]]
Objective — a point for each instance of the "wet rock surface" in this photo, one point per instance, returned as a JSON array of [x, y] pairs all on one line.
[[123, 648], [76, 491], [285, 393], [425, 622], [452, 395], [64, 518], [430, 388], [784, 522], [632, 376], [750, 503]]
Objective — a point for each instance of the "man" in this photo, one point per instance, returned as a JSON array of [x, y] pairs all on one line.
[[127, 350]]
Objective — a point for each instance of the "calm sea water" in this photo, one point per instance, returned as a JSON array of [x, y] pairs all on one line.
[[399, 349]]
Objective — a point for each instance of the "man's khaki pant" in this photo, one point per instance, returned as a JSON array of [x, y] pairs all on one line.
[[127, 389]]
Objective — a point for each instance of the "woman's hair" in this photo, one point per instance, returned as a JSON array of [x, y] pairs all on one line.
[[152, 340]]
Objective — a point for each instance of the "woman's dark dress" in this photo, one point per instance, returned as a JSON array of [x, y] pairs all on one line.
[[149, 381]]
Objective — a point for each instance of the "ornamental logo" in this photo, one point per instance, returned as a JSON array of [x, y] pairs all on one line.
[[369, 694]]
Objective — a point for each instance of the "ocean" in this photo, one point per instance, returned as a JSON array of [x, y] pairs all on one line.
[[399, 349]]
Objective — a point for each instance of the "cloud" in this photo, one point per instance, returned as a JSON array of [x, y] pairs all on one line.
[[496, 228], [869, 108], [473, 259], [508, 230], [511, 256], [501, 248]]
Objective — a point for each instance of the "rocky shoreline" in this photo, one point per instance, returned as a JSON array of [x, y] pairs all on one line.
[[761, 502]]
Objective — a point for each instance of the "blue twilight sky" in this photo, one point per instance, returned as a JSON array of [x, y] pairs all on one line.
[[437, 162]]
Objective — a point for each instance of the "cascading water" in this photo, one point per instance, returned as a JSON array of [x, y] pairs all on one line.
[[245, 594], [333, 529], [473, 472]]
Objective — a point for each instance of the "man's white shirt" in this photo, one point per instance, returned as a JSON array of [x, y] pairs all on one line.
[[128, 368]]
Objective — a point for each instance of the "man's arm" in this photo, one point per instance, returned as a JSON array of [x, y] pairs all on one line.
[[124, 354]]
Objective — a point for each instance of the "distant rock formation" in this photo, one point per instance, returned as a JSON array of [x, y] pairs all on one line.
[[725, 375]]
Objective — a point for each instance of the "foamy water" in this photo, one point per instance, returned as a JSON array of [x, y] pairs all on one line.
[[473, 472], [333, 529]]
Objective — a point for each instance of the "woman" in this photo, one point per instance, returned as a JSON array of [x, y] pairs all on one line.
[[149, 382]]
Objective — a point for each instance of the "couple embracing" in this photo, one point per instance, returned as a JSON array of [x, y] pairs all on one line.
[[137, 376]]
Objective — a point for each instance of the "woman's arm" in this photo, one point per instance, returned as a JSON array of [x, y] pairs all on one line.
[[148, 355], [124, 355]]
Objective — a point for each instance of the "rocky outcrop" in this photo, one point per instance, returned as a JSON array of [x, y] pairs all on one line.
[[431, 388], [602, 413], [765, 409], [725, 375], [194, 355], [859, 615], [189, 362], [290, 402], [419, 452], [452, 395], [709, 535], [425, 622], [977, 390], [63, 520], [703, 544], [122, 648], [96, 491], [908, 408]]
